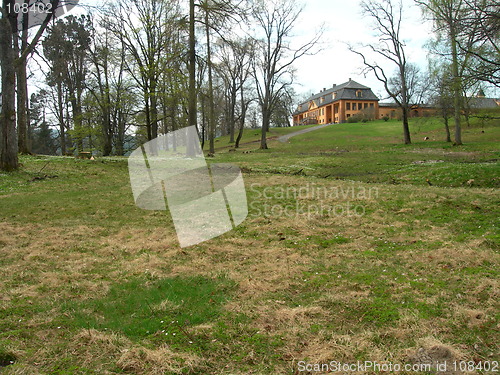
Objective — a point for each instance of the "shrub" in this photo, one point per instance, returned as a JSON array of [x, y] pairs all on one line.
[[356, 118], [385, 118]]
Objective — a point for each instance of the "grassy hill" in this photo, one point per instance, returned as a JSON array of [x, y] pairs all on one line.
[[373, 152], [356, 248]]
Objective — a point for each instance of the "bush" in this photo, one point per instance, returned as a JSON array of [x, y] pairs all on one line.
[[355, 118], [385, 118]]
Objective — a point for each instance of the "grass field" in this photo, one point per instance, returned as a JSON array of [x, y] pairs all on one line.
[[356, 248]]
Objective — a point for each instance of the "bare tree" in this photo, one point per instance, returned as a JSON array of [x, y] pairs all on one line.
[[448, 17], [101, 55], [273, 65], [235, 70], [481, 23], [390, 46], [218, 16], [143, 27]]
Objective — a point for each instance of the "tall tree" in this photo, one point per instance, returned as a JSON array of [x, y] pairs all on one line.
[[448, 17], [100, 55], [143, 27], [235, 69], [66, 47], [8, 136], [20, 44], [388, 19], [9, 25], [192, 98], [218, 16], [211, 102], [273, 64]]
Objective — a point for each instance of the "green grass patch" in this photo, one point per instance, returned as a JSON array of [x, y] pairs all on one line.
[[140, 307]]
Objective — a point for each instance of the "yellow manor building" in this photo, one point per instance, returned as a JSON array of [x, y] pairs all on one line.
[[337, 104]]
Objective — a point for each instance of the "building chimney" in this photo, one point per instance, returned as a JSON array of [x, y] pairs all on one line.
[[324, 88]]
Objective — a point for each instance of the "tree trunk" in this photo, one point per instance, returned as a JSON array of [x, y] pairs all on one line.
[[264, 130], [107, 148], [192, 105], [22, 108], [62, 126], [404, 96], [8, 137], [211, 105], [232, 116], [456, 89], [244, 107], [22, 94], [203, 123], [447, 128], [406, 128], [239, 136], [192, 66], [120, 136], [147, 113], [107, 124], [153, 108], [77, 120]]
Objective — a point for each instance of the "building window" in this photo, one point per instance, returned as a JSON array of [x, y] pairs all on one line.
[[359, 94], [366, 105], [348, 115], [371, 105], [360, 106], [348, 106]]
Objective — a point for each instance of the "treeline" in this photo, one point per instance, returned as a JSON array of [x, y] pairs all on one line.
[[123, 74]]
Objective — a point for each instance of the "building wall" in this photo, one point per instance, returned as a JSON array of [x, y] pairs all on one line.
[[394, 112], [336, 112]]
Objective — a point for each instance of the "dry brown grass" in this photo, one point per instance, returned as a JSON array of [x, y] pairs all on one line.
[[43, 262]]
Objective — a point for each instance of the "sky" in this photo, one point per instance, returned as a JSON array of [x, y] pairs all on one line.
[[344, 23]]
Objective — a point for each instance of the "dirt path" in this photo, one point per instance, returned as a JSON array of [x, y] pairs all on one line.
[[285, 138]]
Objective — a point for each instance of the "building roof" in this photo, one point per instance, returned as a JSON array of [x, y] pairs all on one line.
[[387, 104], [484, 103], [412, 106], [345, 91]]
